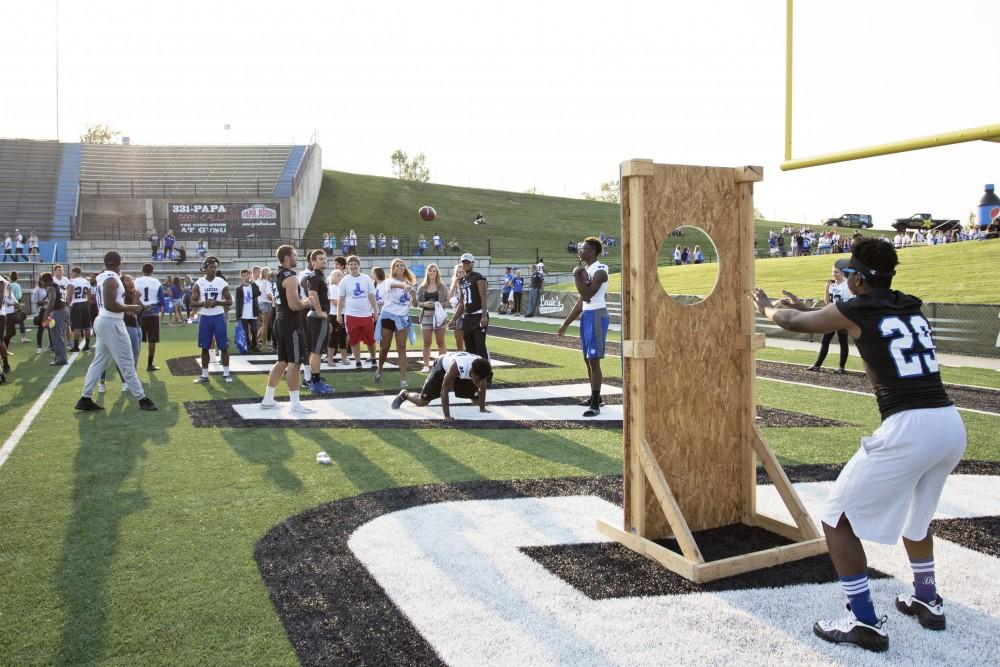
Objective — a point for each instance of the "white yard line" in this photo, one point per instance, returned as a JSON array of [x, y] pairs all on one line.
[[29, 417]]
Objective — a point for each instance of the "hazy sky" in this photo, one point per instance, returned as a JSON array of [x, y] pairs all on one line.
[[546, 94]]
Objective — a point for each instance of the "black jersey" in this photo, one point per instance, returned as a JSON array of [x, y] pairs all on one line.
[[470, 293], [281, 299], [897, 346], [316, 282]]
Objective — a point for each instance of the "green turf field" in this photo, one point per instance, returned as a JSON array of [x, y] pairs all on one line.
[[953, 273], [126, 537]]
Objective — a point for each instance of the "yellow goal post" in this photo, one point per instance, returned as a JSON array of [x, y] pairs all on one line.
[[982, 133]]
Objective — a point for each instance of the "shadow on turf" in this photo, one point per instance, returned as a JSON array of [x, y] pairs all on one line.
[[104, 495], [552, 446]]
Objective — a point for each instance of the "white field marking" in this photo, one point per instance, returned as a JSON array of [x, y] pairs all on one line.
[[22, 428], [455, 570], [864, 393], [243, 364], [378, 407]]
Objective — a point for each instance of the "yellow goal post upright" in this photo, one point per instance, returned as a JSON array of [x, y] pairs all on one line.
[[982, 133], [691, 444]]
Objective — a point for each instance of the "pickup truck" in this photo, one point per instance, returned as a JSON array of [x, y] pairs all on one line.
[[924, 221], [862, 220]]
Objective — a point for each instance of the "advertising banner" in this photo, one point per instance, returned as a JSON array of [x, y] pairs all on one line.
[[202, 220]]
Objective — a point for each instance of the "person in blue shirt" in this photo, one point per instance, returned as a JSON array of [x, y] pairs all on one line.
[[517, 289], [168, 244], [505, 287]]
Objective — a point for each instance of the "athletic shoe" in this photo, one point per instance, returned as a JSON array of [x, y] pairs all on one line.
[[86, 403], [402, 384], [839, 371], [6, 367], [38, 350], [23, 339], [86, 348], [124, 388], [145, 403], [54, 363], [425, 369], [585, 403], [302, 409], [377, 376], [592, 411], [101, 388], [398, 401], [201, 379], [74, 349], [930, 615], [227, 378], [268, 405], [152, 368], [813, 368], [357, 364], [850, 630], [321, 387]]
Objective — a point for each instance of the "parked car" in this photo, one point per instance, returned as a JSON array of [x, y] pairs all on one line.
[[925, 221], [861, 220]]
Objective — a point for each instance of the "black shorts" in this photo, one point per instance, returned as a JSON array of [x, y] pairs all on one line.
[[432, 386], [290, 341], [79, 317], [317, 329], [150, 327], [338, 334], [3, 327]]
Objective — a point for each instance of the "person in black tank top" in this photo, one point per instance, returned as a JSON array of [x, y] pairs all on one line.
[[471, 311], [289, 334], [892, 485]]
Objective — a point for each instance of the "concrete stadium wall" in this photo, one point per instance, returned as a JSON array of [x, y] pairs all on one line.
[[303, 202]]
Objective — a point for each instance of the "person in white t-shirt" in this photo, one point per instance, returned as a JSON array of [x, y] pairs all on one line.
[[211, 296], [79, 299], [462, 372], [113, 341], [248, 307], [266, 303], [356, 310], [836, 290], [394, 319], [592, 284]]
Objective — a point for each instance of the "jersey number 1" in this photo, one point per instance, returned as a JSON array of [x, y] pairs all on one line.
[[903, 333]]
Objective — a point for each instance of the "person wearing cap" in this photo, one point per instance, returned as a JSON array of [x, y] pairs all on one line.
[[471, 310], [892, 484]]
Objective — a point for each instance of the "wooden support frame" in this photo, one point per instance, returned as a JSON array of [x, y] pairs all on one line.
[[691, 444]]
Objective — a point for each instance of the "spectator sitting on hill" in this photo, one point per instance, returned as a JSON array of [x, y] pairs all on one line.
[[454, 247], [479, 219], [571, 247], [993, 231]]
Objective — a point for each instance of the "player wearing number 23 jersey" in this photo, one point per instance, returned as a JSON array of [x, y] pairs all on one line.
[[892, 484]]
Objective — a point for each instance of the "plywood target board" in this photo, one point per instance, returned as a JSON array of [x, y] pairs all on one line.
[[691, 444]]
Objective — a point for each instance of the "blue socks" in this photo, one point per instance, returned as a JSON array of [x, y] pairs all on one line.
[[924, 587], [860, 596]]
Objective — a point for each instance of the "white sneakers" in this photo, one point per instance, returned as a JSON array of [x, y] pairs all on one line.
[[302, 409], [268, 405]]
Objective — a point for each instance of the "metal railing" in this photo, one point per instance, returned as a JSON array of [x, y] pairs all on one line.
[[162, 189]]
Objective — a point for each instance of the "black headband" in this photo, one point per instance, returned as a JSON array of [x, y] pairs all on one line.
[[861, 268]]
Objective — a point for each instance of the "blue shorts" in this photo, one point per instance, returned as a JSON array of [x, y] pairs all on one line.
[[213, 326], [594, 332]]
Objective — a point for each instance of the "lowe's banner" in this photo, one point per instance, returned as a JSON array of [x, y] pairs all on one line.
[[249, 221]]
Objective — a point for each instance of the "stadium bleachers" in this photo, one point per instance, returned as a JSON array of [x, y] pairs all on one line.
[[110, 170], [29, 171]]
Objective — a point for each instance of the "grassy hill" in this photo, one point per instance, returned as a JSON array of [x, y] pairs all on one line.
[[518, 225], [954, 273]]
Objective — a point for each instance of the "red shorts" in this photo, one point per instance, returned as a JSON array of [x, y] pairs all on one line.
[[360, 330]]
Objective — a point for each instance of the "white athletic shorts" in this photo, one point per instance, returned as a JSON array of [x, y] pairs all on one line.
[[892, 485]]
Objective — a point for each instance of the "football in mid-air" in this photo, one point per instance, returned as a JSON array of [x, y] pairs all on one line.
[[427, 213]]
